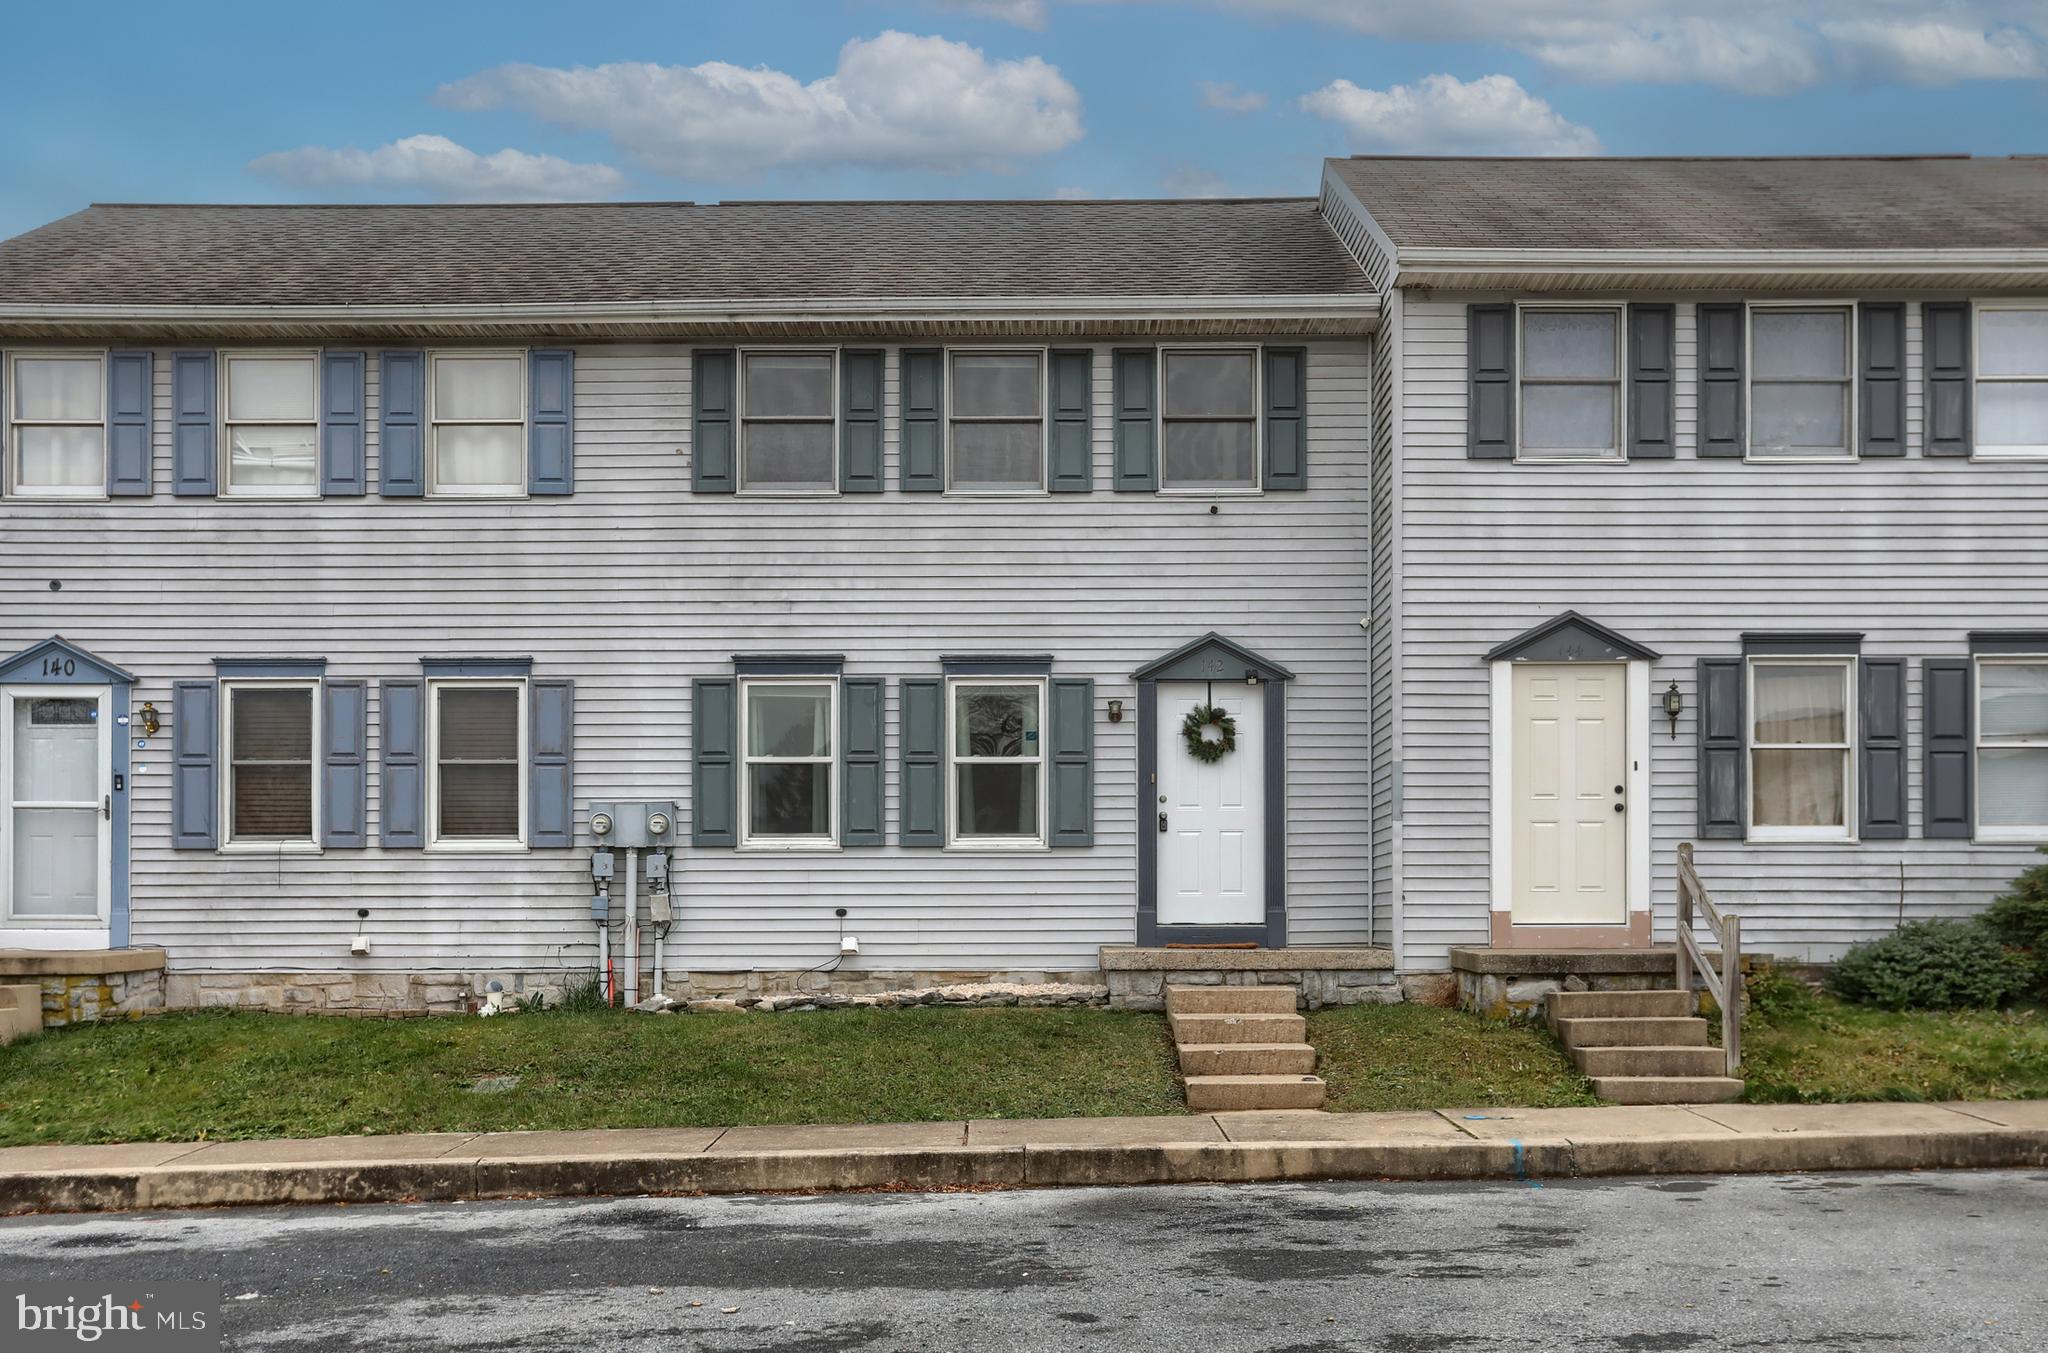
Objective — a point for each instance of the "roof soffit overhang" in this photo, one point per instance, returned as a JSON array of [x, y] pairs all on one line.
[[1946, 271]]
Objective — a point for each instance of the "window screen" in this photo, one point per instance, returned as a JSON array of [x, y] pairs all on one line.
[[2012, 381], [1209, 437], [479, 405], [997, 760], [789, 427], [1799, 382], [477, 762], [1571, 384], [998, 421], [789, 760], [270, 763], [273, 432], [57, 425]]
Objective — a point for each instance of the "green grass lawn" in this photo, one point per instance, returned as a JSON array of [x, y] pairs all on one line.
[[1423, 1057], [1805, 1048], [225, 1075]]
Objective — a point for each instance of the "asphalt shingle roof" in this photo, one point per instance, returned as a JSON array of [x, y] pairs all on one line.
[[654, 252], [1904, 202]]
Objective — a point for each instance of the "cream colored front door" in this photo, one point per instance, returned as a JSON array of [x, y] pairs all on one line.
[[1570, 771], [1212, 814]]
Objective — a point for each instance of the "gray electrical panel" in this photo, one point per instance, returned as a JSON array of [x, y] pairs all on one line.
[[635, 826]]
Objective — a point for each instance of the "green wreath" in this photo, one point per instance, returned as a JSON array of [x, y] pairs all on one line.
[[1208, 750]]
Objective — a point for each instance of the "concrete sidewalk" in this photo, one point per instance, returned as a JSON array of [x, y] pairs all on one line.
[[1208, 1148]]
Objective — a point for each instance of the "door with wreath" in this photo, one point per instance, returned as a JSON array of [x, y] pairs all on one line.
[[1211, 809]]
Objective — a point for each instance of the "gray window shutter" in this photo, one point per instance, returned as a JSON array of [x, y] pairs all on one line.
[[344, 748], [1286, 467], [1652, 370], [403, 768], [1490, 368], [1881, 753], [922, 820], [131, 403], [1072, 762], [1723, 776], [551, 430], [860, 704], [1721, 430], [1135, 393], [714, 773], [711, 430], [860, 422], [193, 462], [1949, 723], [195, 783], [1070, 403], [1883, 377], [551, 762], [924, 421], [1947, 377], [402, 425], [341, 424]]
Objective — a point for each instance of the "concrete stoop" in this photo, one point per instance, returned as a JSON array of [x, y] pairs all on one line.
[[1641, 1047], [21, 1011], [1243, 1047]]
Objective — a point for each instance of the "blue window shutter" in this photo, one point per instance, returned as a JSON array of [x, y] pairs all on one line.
[[344, 757], [1948, 723], [551, 757], [402, 427], [1881, 755], [1490, 384], [860, 703], [1722, 773], [711, 430], [551, 425], [1947, 377], [1652, 365], [714, 772], [1070, 408], [195, 781], [1286, 464], [193, 434], [403, 769], [131, 402], [1882, 379], [922, 816], [860, 422], [1134, 393], [1721, 430], [924, 421], [341, 425], [1072, 762]]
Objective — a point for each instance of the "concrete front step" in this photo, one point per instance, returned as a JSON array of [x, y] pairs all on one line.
[[1239, 1028], [1246, 1059], [1220, 1094], [1650, 1061], [1631, 1033], [1667, 1089], [1248, 1000], [1620, 1004], [21, 1011]]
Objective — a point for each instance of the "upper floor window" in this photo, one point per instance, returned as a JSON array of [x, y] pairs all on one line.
[[270, 781], [477, 745], [998, 770], [477, 404], [1209, 416], [1800, 360], [1570, 383], [998, 422], [273, 424], [2012, 381], [2012, 749], [789, 762], [788, 427], [58, 422], [1801, 746]]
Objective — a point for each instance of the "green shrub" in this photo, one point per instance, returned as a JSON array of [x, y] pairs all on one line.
[[2020, 921], [1775, 993], [1931, 965]]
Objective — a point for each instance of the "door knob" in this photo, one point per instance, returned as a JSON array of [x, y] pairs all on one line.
[[1162, 822], [1619, 808]]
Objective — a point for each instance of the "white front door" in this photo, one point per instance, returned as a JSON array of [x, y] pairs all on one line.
[[1212, 815], [1569, 818], [55, 837]]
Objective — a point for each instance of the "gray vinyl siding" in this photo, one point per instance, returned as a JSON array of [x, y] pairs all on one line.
[[1684, 556], [1384, 631], [635, 585]]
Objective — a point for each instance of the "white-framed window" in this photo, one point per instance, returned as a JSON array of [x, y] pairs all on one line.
[[2012, 380], [996, 761], [995, 421], [476, 749], [476, 404], [789, 422], [1802, 740], [1802, 360], [57, 424], [1568, 361], [270, 795], [790, 770], [1209, 420], [271, 442], [2012, 748]]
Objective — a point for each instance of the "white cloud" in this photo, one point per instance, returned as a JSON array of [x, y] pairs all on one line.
[[1228, 98], [1070, 194], [1023, 13], [441, 168], [896, 101], [1443, 115], [1189, 180], [1935, 53]]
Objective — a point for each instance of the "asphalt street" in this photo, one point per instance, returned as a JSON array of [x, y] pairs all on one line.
[[1817, 1263]]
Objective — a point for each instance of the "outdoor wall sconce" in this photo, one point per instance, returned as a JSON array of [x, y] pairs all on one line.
[[151, 720], [1674, 703], [1251, 678], [1116, 711]]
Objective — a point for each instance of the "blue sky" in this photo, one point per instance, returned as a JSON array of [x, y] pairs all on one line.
[[426, 101]]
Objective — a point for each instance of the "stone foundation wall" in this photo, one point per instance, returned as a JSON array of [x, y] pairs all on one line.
[[1146, 990], [81, 998], [1520, 996]]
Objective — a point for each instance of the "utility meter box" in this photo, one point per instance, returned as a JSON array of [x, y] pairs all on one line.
[[635, 826]]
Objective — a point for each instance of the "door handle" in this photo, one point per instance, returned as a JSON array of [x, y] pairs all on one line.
[[1619, 808], [1162, 824], [107, 807]]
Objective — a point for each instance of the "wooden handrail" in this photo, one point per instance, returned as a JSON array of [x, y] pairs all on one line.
[[1725, 984]]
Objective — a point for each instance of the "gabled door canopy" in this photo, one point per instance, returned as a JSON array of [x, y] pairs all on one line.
[[1571, 637]]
